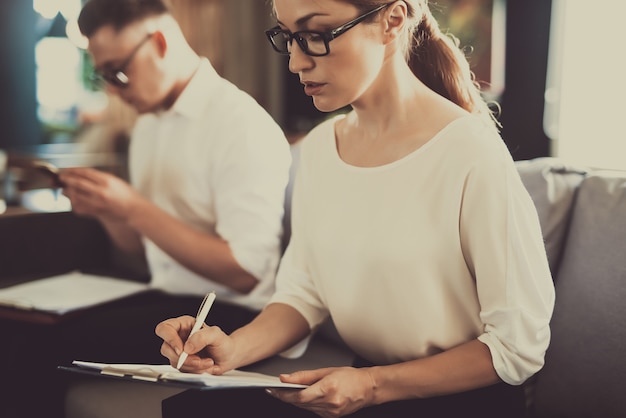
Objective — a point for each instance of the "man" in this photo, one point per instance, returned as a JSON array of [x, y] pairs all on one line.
[[208, 168], [208, 164]]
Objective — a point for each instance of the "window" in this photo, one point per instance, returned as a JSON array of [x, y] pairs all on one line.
[[61, 91], [586, 83]]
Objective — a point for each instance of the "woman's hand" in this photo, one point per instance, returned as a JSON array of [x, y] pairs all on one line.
[[209, 349], [333, 392]]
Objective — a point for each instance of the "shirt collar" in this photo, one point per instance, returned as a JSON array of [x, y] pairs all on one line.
[[198, 92]]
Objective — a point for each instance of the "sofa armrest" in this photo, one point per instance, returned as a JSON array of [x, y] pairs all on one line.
[[585, 369], [552, 186]]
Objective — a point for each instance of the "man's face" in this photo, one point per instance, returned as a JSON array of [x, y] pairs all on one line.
[[129, 62]]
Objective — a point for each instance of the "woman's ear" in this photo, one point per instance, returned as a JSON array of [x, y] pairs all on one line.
[[395, 18]]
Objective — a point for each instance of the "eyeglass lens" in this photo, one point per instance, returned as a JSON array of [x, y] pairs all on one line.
[[117, 77], [312, 43]]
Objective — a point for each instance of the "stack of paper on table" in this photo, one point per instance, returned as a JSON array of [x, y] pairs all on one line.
[[68, 292], [168, 374]]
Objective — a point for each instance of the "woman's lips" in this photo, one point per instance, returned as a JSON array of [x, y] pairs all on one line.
[[312, 89]]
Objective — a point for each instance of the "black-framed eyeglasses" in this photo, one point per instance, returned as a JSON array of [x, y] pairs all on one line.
[[313, 43], [117, 76]]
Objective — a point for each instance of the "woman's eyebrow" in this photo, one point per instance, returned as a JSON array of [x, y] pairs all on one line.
[[304, 19]]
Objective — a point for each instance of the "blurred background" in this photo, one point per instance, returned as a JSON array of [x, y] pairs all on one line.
[[555, 67]]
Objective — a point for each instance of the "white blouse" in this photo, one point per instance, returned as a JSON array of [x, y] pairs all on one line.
[[417, 256]]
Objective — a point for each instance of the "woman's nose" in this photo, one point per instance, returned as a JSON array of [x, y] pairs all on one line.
[[298, 60]]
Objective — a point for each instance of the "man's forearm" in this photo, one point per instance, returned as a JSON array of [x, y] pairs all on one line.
[[124, 237], [203, 253]]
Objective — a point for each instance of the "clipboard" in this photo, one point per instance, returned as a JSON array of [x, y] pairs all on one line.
[[128, 376], [169, 376]]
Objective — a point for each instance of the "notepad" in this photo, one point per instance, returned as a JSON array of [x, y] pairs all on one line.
[[68, 292], [167, 373]]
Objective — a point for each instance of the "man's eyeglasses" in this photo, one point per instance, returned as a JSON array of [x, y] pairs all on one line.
[[313, 43], [117, 76]]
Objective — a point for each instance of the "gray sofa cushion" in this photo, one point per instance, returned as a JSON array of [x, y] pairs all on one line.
[[585, 370], [552, 186]]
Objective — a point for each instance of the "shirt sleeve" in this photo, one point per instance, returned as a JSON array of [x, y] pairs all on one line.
[[249, 183], [503, 246]]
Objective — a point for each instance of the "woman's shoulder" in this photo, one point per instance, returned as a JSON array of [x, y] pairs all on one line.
[[472, 134], [471, 145], [472, 125]]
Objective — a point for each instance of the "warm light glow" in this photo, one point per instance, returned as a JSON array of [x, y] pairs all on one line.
[[60, 86], [73, 34], [45, 200], [70, 8], [58, 62], [49, 8], [46, 8], [587, 85]]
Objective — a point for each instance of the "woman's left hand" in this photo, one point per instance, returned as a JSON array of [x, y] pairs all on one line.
[[333, 392]]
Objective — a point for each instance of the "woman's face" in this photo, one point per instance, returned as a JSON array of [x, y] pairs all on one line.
[[345, 74]]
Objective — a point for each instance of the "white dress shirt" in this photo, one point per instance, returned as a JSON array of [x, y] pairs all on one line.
[[217, 161]]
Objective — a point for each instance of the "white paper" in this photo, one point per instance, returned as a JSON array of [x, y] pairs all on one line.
[[231, 379], [68, 292]]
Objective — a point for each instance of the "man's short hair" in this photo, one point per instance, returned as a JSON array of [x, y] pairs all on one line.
[[118, 13]]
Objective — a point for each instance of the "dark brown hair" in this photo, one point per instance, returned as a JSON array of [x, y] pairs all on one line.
[[436, 58], [117, 13]]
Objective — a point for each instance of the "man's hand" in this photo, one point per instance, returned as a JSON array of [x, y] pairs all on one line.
[[99, 194]]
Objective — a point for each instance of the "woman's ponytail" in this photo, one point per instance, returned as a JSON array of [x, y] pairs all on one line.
[[436, 59]]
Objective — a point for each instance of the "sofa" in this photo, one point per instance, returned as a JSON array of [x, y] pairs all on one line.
[[582, 212]]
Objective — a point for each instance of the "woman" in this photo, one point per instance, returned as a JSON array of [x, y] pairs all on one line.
[[411, 229]]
